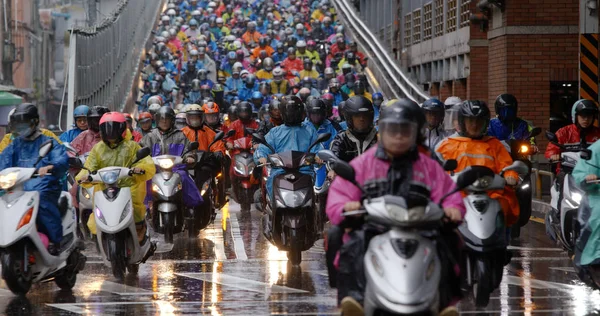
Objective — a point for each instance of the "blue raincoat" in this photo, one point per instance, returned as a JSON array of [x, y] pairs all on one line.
[[285, 138], [70, 135], [325, 127], [519, 130], [245, 94], [24, 153]]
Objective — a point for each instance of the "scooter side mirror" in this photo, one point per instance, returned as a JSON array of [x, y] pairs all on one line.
[[230, 133], [586, 154], [470, 175], [327, 156], [257, 138], [321, 138], [551, 136], [249, 131], [518, 166], [141, 154], [450, 165], [345, 170], [75, 162], [45, 148], [193, 146], [535, 132]]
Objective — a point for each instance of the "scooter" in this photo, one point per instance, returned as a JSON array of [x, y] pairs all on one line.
[[403, 268], [290, 221], [84, 197], [561, 221], [243, 184], [522, 150], [23, 252], [484, 231], [113, 212], [169, 215]]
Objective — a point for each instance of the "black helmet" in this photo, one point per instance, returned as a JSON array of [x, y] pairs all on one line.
[[307, 82], [94, 116], [349, 80], [584, 107], [250, 80], [292, 110], [358, 105], [473, 109], [24, 120], [167, 113], [506, 106], [244, 111], [436, 110], [316, 110], [232, 113], [404, 116], [359, 88]]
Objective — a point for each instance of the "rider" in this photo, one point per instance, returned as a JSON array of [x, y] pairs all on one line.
[[361, 133], [377, 101], [86, 140], [507, 125], [144, 123], [472, 147], [434, 113], [212, 118], [389, 168], [137, 136], [8, 138], [244, 114], [180, 120], [80, 118], [451, 118], [274, 117], [317, 118], [117, 149], [23, 152], [293, 135], [165, 139]]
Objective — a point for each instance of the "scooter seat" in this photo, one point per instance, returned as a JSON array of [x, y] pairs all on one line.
[[63, 205]]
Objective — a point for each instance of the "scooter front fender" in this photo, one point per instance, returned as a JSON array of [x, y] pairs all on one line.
[[14, 207]]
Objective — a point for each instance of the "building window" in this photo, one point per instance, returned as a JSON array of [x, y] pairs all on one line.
[[407, 29], [464, 12], [416, 26], [439, 18], [427, 19], [451, 16]]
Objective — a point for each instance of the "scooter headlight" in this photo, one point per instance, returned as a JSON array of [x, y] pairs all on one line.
[[166, 163], [100, 216], [7, 181], [156, 188], [240, 168], [483, 182], [293, 198], [376, 265], [524, 149], [276, 161], [251, 167], [110, 177]]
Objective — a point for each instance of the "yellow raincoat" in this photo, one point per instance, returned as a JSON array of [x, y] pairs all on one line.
[[123, 155], [7, 139]]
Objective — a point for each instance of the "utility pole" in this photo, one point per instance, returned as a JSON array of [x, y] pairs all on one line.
[[8, 47], [588, 49]]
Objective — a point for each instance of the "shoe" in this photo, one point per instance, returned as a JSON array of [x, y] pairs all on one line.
[[351, 307], [449, 311], [141, 232]]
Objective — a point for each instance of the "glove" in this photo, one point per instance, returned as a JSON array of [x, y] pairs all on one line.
[[511, 180]]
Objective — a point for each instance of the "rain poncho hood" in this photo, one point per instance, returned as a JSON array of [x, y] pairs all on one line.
[[122, 155], [24, 153], [70, 135]]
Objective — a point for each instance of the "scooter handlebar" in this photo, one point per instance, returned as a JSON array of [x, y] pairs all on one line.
[[131, 172]]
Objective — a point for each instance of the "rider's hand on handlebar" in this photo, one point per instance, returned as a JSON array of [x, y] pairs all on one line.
[[45, 170], [555, 157], [453, 214], [137, 170], [262, 160], [352, 206], [591, 177], [190, 160], [229, 146], [511, 180]]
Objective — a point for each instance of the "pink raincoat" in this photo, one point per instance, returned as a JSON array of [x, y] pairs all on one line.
[[83, 143], [368, 167]]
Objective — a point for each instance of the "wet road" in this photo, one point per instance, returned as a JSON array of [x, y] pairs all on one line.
[[230, 269]]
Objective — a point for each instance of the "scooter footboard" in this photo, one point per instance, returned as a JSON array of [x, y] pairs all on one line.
[[403, 271]]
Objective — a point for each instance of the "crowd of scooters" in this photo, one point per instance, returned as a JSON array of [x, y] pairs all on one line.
[[266, 102]]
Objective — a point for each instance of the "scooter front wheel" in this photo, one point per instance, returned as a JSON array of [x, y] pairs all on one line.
[[168, 226], [116, 249], [13, 273], [481, 287], [68, 277]]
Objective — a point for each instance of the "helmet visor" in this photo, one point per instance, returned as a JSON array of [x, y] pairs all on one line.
[[112, 131], [194, 120], [451, 119], [21, 129], [398, 137], [434, 118]]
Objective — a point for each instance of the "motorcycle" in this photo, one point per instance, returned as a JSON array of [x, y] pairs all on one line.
[[484, 231], [243, 184], [561, 221], [409, 233], [522, 150], [23, 250], [113, 212], [290, 221], [168, 213]]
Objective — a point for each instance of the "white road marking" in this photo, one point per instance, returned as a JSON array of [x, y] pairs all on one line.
[[521, 312], [539, 284], [318, 272], [214, 234], [196, 261], [539, 258], [163, 247], [534, 249], [565, 269], [5, 292], [238, 242], [91, 284], [241, 283]]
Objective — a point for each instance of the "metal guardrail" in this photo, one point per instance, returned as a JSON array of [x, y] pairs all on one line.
[[104, 59], [538, 181], [388, 72]]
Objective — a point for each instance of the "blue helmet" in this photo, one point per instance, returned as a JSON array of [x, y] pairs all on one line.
[[377, 99], [433, 104], [81, 111], [257, 95]]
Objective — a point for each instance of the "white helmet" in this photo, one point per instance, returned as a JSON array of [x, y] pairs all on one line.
[[171, 12], [301, 44], [219, 20], [196, 12], [165, 34], [10, 114], [450, 101], [212, 4], [299, 26], [165, 18], [237, 67]]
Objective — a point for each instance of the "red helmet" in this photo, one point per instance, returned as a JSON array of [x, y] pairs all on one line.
[[112, 127], [144, 116], [311, 43]]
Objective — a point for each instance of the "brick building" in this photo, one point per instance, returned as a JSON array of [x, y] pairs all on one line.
[[527, 48]]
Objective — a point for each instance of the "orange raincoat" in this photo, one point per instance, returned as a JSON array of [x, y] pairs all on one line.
[[488, 152]]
